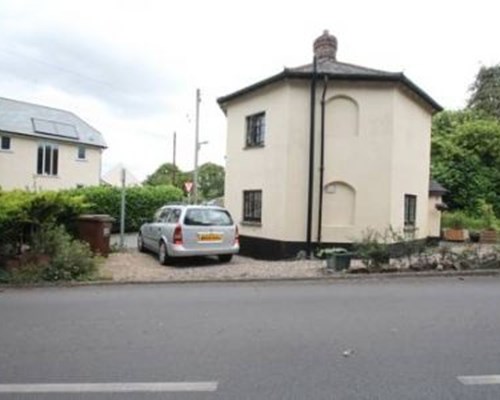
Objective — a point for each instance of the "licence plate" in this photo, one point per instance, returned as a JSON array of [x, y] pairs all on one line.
[[210, 237]]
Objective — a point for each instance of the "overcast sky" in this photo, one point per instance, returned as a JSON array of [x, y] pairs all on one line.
[[131, 68]]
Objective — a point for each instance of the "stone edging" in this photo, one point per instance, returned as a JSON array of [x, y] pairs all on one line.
[[327, 277]]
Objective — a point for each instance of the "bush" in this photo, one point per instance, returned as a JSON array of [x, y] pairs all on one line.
[[461, 220], [55, 256], [23, 212], [141, 202], [373, 249], [70, 259]]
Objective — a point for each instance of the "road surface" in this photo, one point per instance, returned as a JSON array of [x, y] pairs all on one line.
[[389, 339]]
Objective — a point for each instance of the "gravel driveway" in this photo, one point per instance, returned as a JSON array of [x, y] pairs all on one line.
[[133, 266]]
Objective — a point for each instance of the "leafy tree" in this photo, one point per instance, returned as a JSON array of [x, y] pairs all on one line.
[[168, 174], [466, 158], [485, 91], [211, 181]]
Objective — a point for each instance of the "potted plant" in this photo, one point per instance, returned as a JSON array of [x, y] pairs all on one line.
[[489, 233], [456, 232]]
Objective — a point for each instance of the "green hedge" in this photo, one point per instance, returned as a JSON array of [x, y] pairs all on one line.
[[461, 220], [23, 212], [141, 202]]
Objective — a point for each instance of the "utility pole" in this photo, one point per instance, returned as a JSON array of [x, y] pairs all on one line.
[[173, 161], [196, 147]]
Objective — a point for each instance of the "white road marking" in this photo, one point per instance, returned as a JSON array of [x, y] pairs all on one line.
[[480, 379], [117, 387]]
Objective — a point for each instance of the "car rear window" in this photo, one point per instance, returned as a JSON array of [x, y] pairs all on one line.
[[207, 217]]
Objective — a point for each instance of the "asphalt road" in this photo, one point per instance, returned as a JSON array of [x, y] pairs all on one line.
[[389, 339]]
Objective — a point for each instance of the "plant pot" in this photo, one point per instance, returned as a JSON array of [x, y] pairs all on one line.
[[488, 236], [456, 235]]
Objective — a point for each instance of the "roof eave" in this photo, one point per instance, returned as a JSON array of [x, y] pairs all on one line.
[[287, 73], [55, 138]]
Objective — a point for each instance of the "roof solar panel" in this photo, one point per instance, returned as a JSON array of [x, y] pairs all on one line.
[[54, 128]]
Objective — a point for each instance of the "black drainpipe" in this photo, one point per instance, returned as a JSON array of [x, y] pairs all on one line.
[[311, 160], [322, 159]]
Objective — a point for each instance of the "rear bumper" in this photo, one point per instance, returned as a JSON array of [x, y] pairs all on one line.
[[176, 250]]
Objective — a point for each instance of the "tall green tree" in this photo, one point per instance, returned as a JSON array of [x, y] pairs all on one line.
[[485, 91], [211, 181], [466, 158], [167, 174]]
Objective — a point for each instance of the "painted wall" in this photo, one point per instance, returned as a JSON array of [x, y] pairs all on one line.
[[262, 168], [434, 217], [18, 166], [410, 160], [377, 148], [358, 132]]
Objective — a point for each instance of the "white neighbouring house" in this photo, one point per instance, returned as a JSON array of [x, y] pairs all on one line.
[[371, 128], [114, 177], [44, 148]]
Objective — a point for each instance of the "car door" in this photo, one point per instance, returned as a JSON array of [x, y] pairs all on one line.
[[147, 230], [158, 228]]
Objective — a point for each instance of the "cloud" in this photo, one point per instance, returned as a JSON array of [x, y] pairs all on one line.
[[128, 83]]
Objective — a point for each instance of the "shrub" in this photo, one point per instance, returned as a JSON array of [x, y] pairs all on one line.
[[457, 220], [53, 256], [22, 212], [373, 249], [141, 202], [461, 220], [69, 259]]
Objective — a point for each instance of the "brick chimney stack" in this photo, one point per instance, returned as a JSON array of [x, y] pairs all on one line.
[[325, 47]]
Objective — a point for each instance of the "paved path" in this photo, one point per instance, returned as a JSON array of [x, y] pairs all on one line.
[[398, 339]]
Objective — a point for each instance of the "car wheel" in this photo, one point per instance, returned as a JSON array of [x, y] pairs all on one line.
[[163, 254], [140, 243], [225, 258]]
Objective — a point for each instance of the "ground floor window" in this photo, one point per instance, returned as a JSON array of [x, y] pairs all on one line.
[[47, 159], [410, 210], [252, 205]]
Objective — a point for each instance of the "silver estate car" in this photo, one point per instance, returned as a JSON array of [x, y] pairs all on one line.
[[188, 230]]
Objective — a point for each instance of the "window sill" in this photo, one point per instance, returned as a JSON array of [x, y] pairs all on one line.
[[6, 151], [251, 223], [47, 176], [257, 146], [81, 160]]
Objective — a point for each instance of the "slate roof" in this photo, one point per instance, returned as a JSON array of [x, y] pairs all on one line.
[[436, 188], [19, 117], [335, 70]]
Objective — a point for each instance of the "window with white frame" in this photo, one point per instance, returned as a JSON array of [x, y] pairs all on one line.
[[5, 143], [47, 159], [256, 130]]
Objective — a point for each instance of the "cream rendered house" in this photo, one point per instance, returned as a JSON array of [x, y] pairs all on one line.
[[323, 152], [44, 148]]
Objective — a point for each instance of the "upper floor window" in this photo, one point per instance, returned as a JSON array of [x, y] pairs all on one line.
[[5, 143], [252, 205], [47, 159], [410, 210], [256, 130], [81, 153]]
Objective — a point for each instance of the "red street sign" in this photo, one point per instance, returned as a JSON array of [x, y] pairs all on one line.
[[188, 186]]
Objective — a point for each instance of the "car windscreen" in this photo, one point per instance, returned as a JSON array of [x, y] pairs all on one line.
[[207, 217]]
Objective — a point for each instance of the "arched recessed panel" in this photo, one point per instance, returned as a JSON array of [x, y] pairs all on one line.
[[342, 117], [339, 202]]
